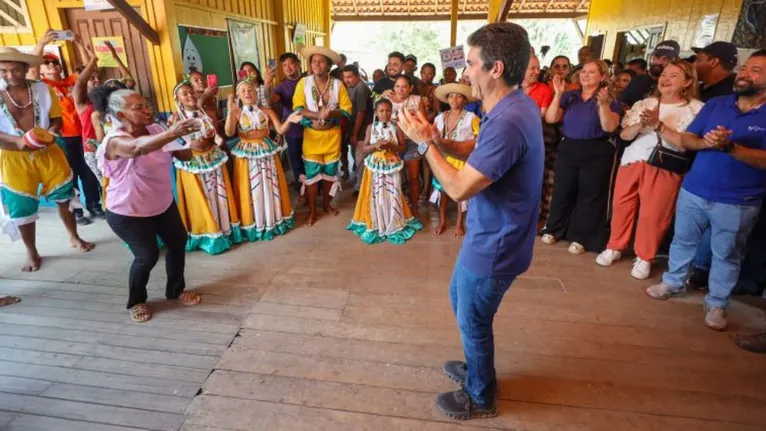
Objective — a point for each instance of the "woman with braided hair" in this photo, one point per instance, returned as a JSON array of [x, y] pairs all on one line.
[[260, 187]]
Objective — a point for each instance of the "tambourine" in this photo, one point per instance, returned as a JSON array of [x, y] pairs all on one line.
[[38, 138]]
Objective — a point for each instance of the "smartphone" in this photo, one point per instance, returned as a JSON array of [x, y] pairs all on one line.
[[272, 63], [212, 81], [242, 74], [63, 35]]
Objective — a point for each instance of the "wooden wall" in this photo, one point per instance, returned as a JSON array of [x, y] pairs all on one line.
[[274, 18], [682, 18]]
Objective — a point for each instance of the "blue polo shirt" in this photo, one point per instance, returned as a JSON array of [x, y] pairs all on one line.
[[581, 120], [716, 176], [502, 221]]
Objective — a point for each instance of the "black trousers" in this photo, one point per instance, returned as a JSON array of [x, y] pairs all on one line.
[[75, 155], [140, 233], [580, 204]]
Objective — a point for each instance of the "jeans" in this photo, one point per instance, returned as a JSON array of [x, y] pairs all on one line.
[[704, 255], [475, 300], [75, 154], [729, 225], [295, 152], [140, 233]]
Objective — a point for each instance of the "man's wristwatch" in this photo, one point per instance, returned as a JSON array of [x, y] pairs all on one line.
[[423, 147], [728, 147]]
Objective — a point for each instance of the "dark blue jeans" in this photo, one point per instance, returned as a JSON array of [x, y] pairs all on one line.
[[295, 152], [475, 300]]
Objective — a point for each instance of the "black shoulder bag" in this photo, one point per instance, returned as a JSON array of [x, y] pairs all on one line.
[[669, 160]]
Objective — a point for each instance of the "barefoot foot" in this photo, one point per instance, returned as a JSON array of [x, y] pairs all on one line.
[[33, 262], [460, 231], [8, 300], [82, 245], [440, 229], [311, 219], [330, 210]]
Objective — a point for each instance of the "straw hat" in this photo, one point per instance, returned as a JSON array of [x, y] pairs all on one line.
[[308, 51], [443, 91], [13, 54]]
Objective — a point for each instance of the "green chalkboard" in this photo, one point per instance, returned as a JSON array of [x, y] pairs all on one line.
[[206, 50]]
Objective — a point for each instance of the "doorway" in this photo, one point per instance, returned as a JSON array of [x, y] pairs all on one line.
[[102, 23]]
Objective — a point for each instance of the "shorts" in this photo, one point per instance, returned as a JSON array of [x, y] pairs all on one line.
[[411, 151], [23, 172]]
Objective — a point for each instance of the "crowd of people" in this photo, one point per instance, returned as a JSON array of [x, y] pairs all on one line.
[[673, 149]]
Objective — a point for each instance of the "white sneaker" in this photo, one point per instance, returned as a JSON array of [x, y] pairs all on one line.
[[608, 257], [641, 269], [576, 248], [549, 239]]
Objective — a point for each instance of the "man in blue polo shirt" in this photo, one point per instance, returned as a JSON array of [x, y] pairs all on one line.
[[724, 189], [502, 182]]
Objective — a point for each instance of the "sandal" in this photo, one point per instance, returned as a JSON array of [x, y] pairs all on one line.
[[189, 298], [140, 313]]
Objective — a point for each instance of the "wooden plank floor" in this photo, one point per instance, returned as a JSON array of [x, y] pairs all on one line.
[[317, 331]]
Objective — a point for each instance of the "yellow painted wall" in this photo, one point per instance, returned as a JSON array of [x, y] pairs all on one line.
[[275, 18], [682, 18]]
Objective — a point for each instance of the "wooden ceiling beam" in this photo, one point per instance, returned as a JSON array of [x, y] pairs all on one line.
[[463, 16], [550, 2], [579, 5]]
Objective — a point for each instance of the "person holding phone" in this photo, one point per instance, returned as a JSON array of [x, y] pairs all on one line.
[[71, 132], [584, 164], [205, 195], [260, 186]]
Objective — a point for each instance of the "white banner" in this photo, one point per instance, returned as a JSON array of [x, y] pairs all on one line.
[[453, 57], [97, 5]]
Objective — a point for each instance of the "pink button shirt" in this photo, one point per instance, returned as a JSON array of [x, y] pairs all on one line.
[[138, 187]]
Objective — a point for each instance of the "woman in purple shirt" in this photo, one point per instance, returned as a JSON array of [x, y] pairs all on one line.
[[585, 160], [139, 195]]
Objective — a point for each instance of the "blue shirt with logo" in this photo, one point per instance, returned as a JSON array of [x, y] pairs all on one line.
[[502, 219], [717, 176]]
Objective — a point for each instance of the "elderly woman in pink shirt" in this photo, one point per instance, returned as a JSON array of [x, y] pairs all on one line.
[[136, 159]]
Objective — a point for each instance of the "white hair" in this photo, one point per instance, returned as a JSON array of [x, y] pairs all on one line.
[[118, 99]]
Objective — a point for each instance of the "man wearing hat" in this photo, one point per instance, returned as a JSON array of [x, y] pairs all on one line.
[[715, 68], [640, 86], [29, 156], [323, 101]]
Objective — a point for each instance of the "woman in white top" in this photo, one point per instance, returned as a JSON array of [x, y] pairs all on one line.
[[403, 98], [643, 190]]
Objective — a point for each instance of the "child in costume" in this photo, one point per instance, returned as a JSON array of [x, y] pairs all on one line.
[[381, 213], [260, 186], [458, 129]]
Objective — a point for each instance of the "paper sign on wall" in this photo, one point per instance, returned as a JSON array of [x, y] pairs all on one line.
[[103, 53], [97, 5], [299, 37], [706, 32], [453, 57]]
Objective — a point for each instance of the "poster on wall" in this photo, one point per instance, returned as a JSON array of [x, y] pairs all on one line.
[[97, 5], [206, 50], [706, 31], [452, 57], [299, 36], [244, 42], [104, 54]]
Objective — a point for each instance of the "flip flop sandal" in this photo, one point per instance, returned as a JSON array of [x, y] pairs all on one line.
[[189, 298]]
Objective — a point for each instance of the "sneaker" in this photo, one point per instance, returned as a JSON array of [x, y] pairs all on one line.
[[663, 291], [641, 269], [608, 257], [752, 343], [82, 220], [576, 248], [97, 213], [715, 318], [698, 279], [549, 239], [456, 371], [458, 405]]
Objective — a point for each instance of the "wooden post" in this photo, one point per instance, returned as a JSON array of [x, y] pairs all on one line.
[[453, 23], [136, 20], [498, 10], [326, 14], [281, 31]]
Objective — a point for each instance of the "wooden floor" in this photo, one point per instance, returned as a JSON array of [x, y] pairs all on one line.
[[318, 331]]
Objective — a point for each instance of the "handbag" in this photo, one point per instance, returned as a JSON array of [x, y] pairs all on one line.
[[669, 160]]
